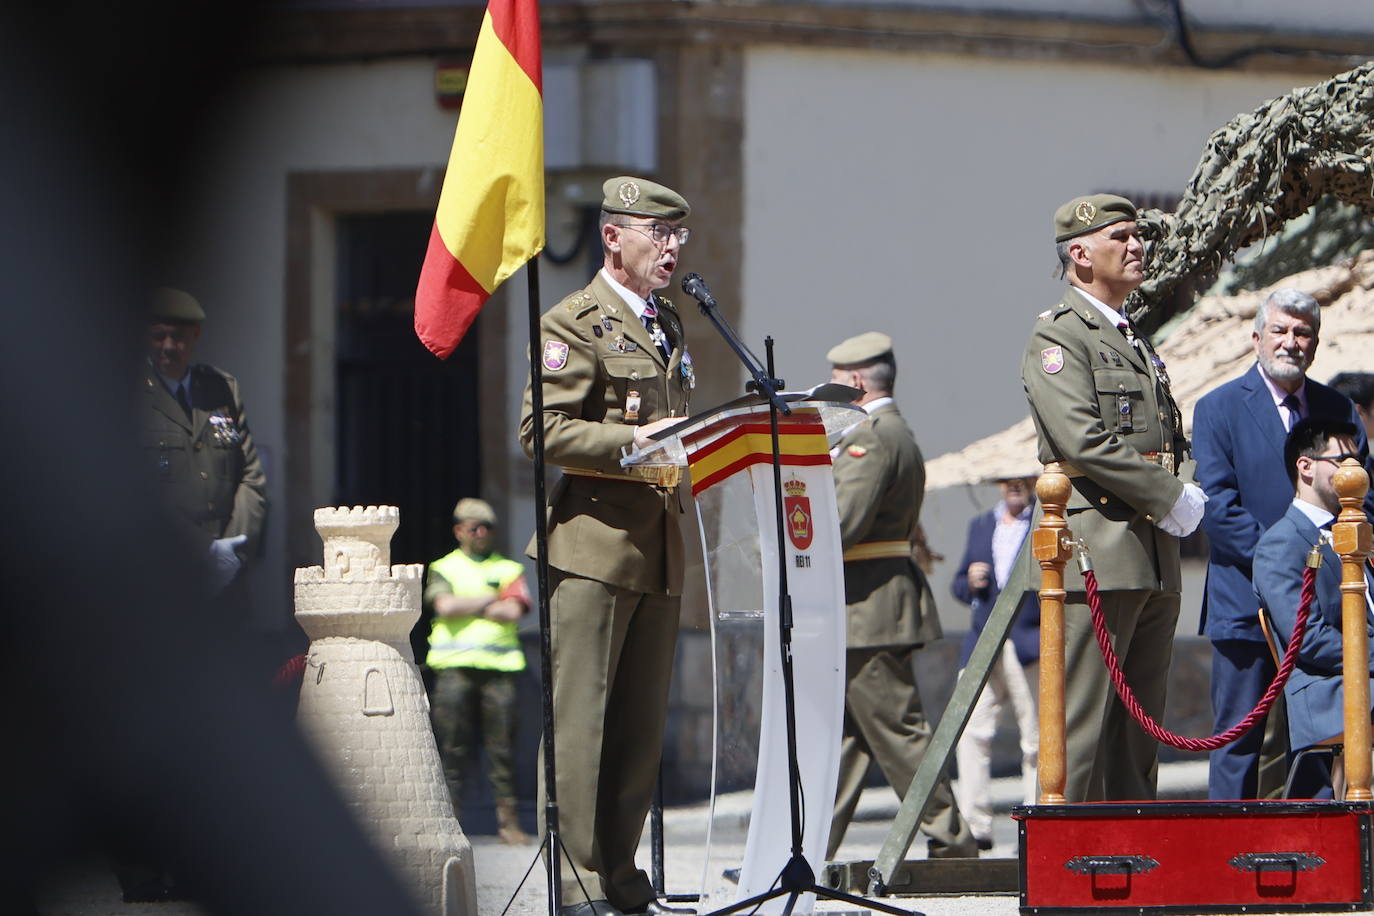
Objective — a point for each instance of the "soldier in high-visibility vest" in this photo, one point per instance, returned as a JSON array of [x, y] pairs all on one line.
[[478, 597]]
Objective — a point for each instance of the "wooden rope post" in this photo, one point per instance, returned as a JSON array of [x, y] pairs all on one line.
[[1350, 537], [1049, 545]]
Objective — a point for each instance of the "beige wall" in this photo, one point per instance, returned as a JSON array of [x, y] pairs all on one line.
[[913, 193]]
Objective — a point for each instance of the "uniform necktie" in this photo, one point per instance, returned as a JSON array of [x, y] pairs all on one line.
[[184, 399], [1294, 413], [650, 318]]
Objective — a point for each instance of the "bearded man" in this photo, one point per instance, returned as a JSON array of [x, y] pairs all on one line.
[[1238, 438]]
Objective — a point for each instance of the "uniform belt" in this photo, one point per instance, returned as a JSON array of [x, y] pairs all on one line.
[[878, 550], [664, 477], [1163, 459]]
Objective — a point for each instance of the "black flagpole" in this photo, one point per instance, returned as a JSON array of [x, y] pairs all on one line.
[[541, 541]]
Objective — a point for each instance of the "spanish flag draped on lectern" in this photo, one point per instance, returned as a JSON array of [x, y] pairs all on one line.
[[490, 219]]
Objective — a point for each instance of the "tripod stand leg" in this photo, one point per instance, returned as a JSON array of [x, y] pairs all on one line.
[[831, 894]]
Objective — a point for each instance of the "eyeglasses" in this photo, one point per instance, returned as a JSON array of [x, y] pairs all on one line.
[[1336, 459], [660, 232]]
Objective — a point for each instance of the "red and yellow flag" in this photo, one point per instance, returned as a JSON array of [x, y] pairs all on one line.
[[491, 209]]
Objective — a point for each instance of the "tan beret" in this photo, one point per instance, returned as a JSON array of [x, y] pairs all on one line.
[[1088, 214], [639, 197], [864, 348], [174, 305]]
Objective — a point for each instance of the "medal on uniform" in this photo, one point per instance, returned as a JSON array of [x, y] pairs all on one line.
[[632, 405], [657, 336], [689, 373], [1123, 409], [225, 431], [605, 322], [621, 345], [596, 329], [1159, 368]]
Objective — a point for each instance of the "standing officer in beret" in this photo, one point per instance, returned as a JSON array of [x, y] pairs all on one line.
[[880, 481], [1099, 396], [197, 443], [615, 371], [197, 440]]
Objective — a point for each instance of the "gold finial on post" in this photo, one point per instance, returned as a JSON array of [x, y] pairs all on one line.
[[1049, 545], [1350, 538]]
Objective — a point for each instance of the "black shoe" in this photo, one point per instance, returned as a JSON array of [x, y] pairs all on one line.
[[589, 908], [654, 908], [985, 843]]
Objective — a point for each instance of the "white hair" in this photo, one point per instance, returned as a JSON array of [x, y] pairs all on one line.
[[1292, 302]]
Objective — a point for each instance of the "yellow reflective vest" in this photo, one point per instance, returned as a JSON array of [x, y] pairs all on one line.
[[474, 642]]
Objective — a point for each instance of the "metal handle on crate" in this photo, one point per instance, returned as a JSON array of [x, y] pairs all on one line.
[[1277, 861], [1111, 865]]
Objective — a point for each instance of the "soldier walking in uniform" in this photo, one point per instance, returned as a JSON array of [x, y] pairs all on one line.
[[880, 482], [197, 437], [1100, 399], [477, 598], [615, 371]]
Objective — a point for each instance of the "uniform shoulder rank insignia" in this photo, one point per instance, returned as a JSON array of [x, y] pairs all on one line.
[[555, 355], [1052, 359], [856, 451]]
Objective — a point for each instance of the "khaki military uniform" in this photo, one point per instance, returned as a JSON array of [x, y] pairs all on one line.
[[207, 464], [890, 611], [1105, 407], [615, 557]]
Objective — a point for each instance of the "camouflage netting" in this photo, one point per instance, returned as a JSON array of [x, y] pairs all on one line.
[[1256, 173]]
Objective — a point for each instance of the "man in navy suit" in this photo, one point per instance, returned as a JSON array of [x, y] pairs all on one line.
[[1314, 451], [1238, 438], [994, 540]]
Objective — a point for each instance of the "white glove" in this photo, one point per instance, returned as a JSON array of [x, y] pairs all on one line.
[[224, 561], [1186, 514]]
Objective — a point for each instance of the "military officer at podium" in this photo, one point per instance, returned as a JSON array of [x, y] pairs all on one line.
[[615, 371], [880, 480], [1100, 399]]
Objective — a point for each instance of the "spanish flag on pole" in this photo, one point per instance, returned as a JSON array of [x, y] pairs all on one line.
[[491, 208]]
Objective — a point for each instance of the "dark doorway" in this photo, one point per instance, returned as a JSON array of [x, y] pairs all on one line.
[[407, 422]]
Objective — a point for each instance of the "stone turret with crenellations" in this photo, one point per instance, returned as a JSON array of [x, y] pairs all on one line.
[[363, 704]]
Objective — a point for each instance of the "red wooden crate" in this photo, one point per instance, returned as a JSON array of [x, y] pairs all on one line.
[[1195, 857]]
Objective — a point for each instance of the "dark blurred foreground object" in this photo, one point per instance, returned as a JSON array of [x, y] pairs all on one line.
[[134, 726]]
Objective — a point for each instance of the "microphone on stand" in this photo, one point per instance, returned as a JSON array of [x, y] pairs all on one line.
[[694, 286]]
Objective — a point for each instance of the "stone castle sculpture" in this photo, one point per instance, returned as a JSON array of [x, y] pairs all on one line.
[[363, 704]]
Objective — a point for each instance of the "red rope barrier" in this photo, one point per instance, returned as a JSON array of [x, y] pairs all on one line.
[[1153, 728]]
